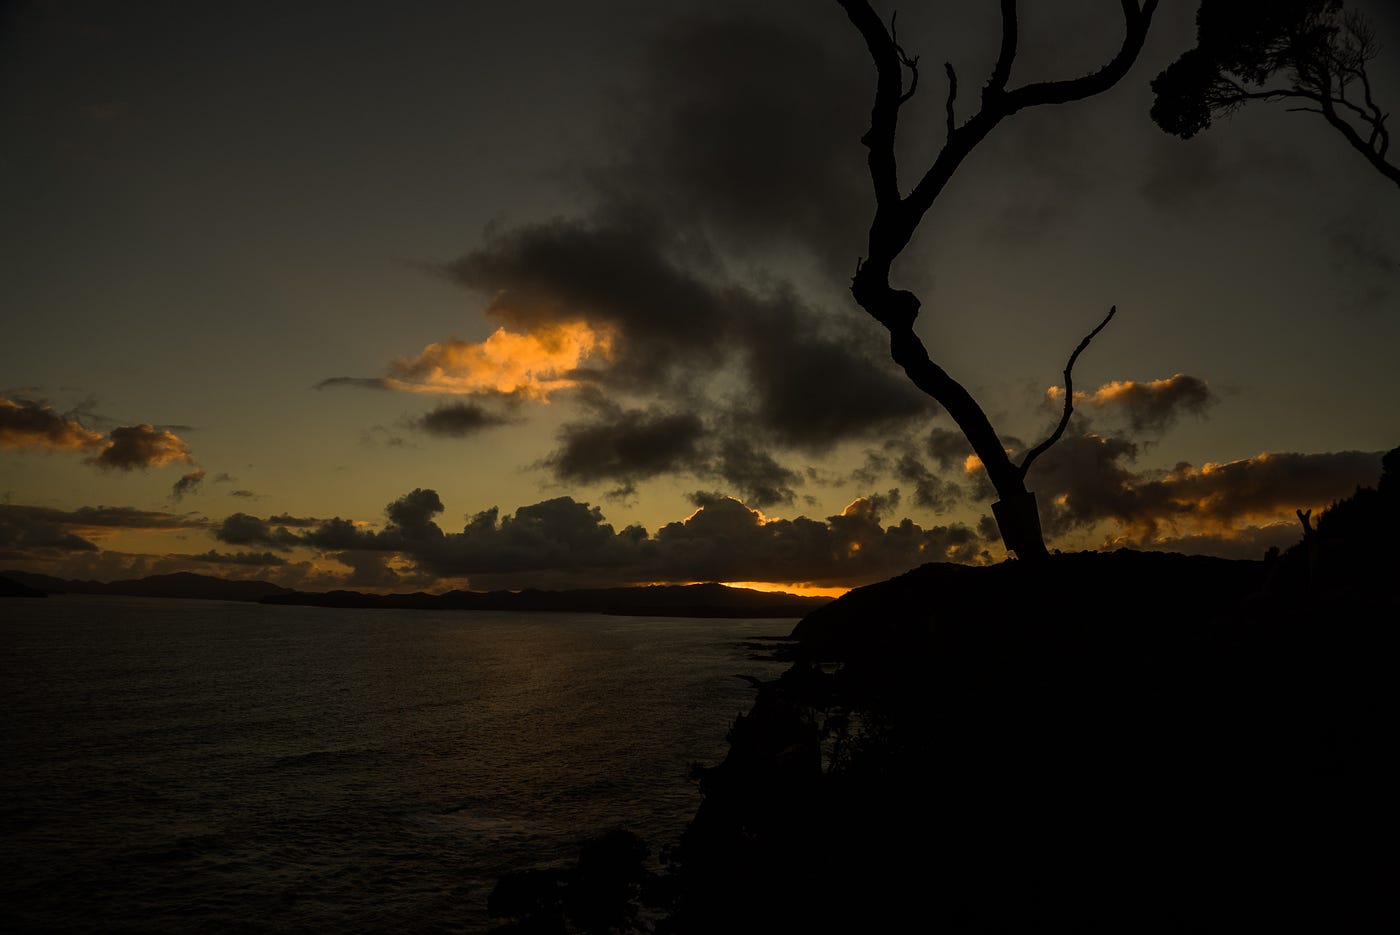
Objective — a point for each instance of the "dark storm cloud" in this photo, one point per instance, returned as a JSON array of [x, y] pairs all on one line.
[[815, 379], [1083, 480], [141, 446], [187, 484], [913, 464], [28, 529], [947, 447], [25, 423], [413, 513], [458, 420], [619, 271], [726, 541], [755, 473], [564, 542], [813, 388], [930, 490], [626, 444], [46, 529], [368, 569], [761, 152], [717, 170], [243, 529]]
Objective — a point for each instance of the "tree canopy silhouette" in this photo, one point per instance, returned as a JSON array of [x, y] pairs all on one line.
[[898, 214], [1309, 53]]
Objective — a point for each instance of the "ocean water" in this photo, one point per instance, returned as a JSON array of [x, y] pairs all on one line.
[[196, 766]]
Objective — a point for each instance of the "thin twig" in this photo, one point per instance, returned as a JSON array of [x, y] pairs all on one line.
[[910, 63], [1044, 446], [952, 94]]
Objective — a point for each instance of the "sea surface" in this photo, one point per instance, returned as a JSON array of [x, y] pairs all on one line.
[[197, 766]]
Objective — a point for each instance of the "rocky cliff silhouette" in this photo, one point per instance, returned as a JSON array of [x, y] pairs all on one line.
[[1135, 742]]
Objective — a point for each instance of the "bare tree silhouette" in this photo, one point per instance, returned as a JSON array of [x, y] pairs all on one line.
[[897, 216], [1309, 53]]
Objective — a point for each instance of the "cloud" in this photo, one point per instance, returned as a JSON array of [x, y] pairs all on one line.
[[726, 541], [1153, 406], [243, 494], [368, 570], [458, 420], [141, 446], [1087, 480], [28, 424], [794, 375], [364, 383], [256, 559], [657, 292], [243, 529], [753, 472], [413, 513], [44, 529], [947, 447], [564, 542], [930, 490], [187, 484], [25, 530], [531, 365], [286, 519], [627, 445], [763, 153]]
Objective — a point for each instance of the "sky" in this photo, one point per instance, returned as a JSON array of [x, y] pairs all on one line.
[[429, 295]]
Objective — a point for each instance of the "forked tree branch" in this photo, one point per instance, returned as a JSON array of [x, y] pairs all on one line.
[[1001, 72], [904, 59], [1044, 446], [897, 216], [889, 93]]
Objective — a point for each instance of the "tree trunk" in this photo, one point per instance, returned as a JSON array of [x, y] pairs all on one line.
[[1016, 514]]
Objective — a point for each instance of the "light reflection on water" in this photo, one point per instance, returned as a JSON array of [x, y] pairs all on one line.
[[188, 765]]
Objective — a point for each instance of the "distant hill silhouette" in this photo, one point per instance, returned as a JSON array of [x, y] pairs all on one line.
[[12, 588], [694, 600], [181, 584]]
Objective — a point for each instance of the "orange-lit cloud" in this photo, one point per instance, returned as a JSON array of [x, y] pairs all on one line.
[[142, 446], [1086, 480], [531, 364], [27, 424], [1148, 406]]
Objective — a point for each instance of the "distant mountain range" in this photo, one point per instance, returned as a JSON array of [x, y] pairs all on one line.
[[691, 600]]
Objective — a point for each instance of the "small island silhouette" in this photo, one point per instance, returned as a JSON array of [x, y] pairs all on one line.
[[1125, 741]]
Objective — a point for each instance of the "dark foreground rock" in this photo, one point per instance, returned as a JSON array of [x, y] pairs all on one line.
[[1146, 755], [1114, 742]]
